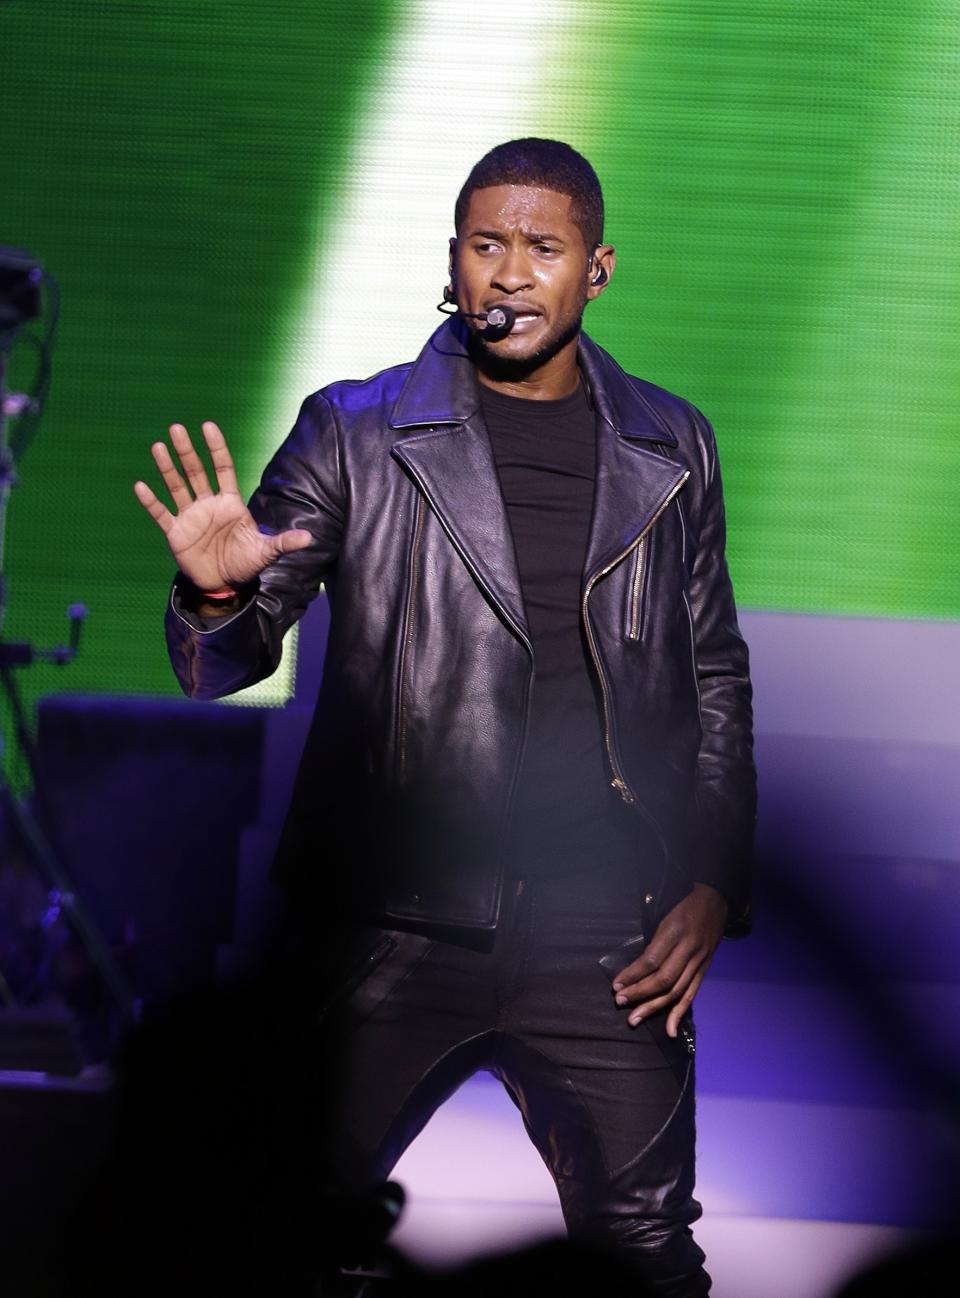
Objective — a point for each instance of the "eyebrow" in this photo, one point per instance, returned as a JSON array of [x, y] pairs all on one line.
[[532, 236]]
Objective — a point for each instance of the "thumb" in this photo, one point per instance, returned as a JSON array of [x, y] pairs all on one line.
[[285, 542]]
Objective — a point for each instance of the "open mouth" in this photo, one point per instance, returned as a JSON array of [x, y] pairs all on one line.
[[522, 311]]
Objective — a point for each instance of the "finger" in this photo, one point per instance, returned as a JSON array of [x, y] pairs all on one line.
[[649, 961], [656, 986], [171, 478], [642, 967], [284, 543], [192, 464], [648, 976], [675, 1017], [693, 974], [671, 998], [221, 457], [668, 940], [664, 988], [295, 539], [154, 507]]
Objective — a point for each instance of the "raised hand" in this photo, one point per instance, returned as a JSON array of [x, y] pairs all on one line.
[[212, 535]]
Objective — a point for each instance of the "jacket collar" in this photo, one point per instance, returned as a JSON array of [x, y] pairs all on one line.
[[442, 388], [447, 452]]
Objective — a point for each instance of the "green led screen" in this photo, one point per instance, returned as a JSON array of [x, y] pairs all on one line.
[[243, 201]]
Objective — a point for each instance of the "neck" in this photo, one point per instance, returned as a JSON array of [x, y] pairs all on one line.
[[555, 378]]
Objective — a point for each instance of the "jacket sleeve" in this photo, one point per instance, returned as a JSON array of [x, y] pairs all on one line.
[[302, 486], [726, 777]]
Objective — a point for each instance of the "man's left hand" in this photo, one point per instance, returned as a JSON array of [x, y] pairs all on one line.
[[673, 965]]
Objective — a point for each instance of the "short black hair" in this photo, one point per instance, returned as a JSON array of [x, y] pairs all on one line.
[[550, 164]]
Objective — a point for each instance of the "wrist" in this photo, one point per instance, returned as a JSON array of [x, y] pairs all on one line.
[[711, 890], [221, 600]]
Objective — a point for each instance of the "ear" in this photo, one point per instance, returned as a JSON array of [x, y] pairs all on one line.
[[600, 268], [452, 256]]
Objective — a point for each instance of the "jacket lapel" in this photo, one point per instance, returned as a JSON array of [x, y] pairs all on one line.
[[455, 470], [452, 463], [633, 480], [632, 486], [445, 448]]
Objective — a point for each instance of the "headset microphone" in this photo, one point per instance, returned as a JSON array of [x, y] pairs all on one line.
[[499, 321]]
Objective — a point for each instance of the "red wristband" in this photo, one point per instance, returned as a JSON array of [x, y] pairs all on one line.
[[227, 593]]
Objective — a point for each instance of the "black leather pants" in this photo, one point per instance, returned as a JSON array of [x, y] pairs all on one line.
[[609, 1107]]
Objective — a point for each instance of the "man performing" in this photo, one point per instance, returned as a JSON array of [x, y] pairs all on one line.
[[527, 799]]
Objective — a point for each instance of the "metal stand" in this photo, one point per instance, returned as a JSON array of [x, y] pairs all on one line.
[[45, 858]]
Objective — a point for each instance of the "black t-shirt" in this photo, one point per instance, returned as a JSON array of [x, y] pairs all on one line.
[[566, 814]]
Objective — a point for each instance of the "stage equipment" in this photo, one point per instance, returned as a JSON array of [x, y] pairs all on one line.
[[499, 321], [25, 290]]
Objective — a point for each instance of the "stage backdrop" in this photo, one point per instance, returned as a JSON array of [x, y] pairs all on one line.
[[242, 201]]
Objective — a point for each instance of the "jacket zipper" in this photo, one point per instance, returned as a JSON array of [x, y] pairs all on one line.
[[633, 630], [617, 782], [408, 635]]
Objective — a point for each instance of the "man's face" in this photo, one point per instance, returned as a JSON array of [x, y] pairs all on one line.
[[518, 246]]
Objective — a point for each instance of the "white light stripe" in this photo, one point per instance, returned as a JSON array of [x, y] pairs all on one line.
[[460, 79]]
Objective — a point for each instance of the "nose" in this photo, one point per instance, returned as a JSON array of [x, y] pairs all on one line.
[[512, 272]]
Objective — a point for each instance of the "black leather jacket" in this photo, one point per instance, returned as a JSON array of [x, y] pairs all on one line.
[[414, 751]]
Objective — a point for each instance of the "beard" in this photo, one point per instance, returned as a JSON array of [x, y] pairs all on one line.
[[512, 369]]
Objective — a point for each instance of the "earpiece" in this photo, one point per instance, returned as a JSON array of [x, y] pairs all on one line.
[[599, 278]]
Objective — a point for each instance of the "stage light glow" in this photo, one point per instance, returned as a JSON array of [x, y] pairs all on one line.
[[441, 100]]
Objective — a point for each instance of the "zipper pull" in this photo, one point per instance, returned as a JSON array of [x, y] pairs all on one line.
[[621, 788]]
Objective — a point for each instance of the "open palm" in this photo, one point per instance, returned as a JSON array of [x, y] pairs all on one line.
[[212, 535]]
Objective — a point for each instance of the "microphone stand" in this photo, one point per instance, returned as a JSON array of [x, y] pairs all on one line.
[[61, 895]]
